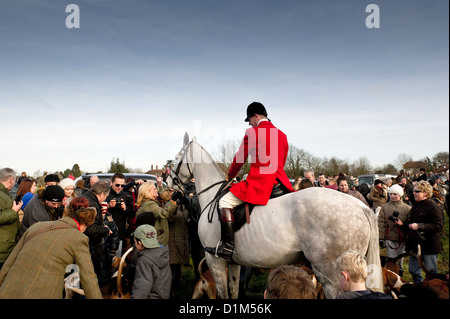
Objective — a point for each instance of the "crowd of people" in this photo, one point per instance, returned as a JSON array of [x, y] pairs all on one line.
[[160, 224], [119, 208]]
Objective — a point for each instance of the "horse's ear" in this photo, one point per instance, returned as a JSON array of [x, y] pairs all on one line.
[[194, 139], [186, 139]]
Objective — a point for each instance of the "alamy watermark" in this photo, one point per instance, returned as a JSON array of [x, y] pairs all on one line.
[[373, 19], [73, 19]]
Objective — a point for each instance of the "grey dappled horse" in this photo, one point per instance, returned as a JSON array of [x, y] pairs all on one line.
[[318, 222]]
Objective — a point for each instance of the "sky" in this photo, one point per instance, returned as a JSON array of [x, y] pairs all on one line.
[[137, 74]]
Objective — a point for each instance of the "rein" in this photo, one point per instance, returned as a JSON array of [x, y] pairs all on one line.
[[215, 199]]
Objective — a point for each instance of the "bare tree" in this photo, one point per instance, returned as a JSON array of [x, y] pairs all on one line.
[[441, 158], [331, 166], [225, 155], [312, 162], [361, 166], [402, 158], [294, 162]]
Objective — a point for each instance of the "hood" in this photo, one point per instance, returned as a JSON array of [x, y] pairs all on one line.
[[159, 256]]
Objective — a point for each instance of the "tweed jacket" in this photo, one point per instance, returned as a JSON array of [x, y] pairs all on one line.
[[9, 224], [36, 269], [378, 197]]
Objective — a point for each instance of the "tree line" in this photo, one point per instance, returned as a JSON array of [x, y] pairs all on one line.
[[298, 161]]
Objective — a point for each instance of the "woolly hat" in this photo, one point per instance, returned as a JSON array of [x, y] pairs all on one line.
[[53, 193], [396, 189], [378, 181], [66, 182], [51, 178]]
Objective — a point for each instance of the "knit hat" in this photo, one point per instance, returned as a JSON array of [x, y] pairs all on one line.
[[53, 193], [396, 189], [51, 178], [378, 181], [66, 182], [147, 235]]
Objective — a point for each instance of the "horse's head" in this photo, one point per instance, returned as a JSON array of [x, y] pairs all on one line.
[[181, 172]]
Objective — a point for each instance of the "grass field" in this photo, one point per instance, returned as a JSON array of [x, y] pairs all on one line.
[[258, 279]]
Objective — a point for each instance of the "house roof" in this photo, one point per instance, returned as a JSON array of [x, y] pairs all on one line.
[[418, 165]]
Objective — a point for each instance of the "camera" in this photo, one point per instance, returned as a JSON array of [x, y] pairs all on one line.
[[394, 216], [119, 201]]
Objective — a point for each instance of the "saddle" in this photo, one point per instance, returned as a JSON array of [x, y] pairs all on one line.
[[242, 212]]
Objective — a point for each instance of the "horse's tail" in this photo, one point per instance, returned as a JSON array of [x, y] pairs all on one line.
[[375, 279]]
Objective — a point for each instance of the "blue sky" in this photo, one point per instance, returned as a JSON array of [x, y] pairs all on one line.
[[137, 74]]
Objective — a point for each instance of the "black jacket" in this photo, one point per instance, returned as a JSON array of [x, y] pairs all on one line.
[[97, 231], [120, 216], [430, 219]]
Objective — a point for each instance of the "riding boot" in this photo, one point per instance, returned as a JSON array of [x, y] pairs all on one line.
[[225, 250]]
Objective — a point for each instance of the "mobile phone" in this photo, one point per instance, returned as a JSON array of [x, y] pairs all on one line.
[[18, 199]]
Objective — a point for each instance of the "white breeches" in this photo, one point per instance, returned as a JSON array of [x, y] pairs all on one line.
[[229, 201]]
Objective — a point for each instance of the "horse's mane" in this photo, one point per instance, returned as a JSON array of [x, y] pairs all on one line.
[[211, 159]]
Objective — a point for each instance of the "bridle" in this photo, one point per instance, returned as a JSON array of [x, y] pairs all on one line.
[[174, 176]]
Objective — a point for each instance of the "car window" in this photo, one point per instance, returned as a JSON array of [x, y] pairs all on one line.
[[366, 179]]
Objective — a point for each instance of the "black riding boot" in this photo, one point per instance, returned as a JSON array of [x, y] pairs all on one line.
[[225, 250]]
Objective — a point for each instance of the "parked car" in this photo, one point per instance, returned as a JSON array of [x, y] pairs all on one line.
[[107, 177], [370, 178]]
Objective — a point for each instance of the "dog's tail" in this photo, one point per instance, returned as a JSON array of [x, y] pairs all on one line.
[[420, 260], [119, 274], [199, 269], [401, 256]]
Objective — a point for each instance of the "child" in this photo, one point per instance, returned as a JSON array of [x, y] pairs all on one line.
[[153, 278], [289, 282], [351, 270]]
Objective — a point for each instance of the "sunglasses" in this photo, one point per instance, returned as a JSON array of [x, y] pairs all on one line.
[[119, 185], [416, 191]]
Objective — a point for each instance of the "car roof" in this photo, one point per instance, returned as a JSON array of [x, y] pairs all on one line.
[[108, 176], [132, 175]]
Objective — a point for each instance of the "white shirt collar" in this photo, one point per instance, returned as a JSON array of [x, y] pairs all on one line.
[[262, 120]]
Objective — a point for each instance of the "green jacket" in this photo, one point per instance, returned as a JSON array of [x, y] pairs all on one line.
[[9, 224], [161, 215]]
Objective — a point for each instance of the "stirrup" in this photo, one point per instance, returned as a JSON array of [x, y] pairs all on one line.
[[224, 251]]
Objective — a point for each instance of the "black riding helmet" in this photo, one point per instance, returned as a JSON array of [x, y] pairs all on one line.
[[255, 108]]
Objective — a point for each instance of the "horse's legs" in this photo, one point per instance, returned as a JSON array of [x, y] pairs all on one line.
[[234, 272], [328, 280], [218, 268]]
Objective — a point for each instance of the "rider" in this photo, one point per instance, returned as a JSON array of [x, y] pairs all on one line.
[[268, 149]]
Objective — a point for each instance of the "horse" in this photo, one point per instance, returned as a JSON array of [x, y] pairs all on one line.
[[317, 223]]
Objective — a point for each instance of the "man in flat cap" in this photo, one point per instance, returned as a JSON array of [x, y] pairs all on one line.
[[267, 147]]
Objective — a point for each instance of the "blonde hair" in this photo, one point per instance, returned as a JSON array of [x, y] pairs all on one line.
[[143, 190], [425, 187], [354, 264]]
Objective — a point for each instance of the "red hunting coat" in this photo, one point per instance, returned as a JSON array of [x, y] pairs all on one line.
[[265, 170]]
